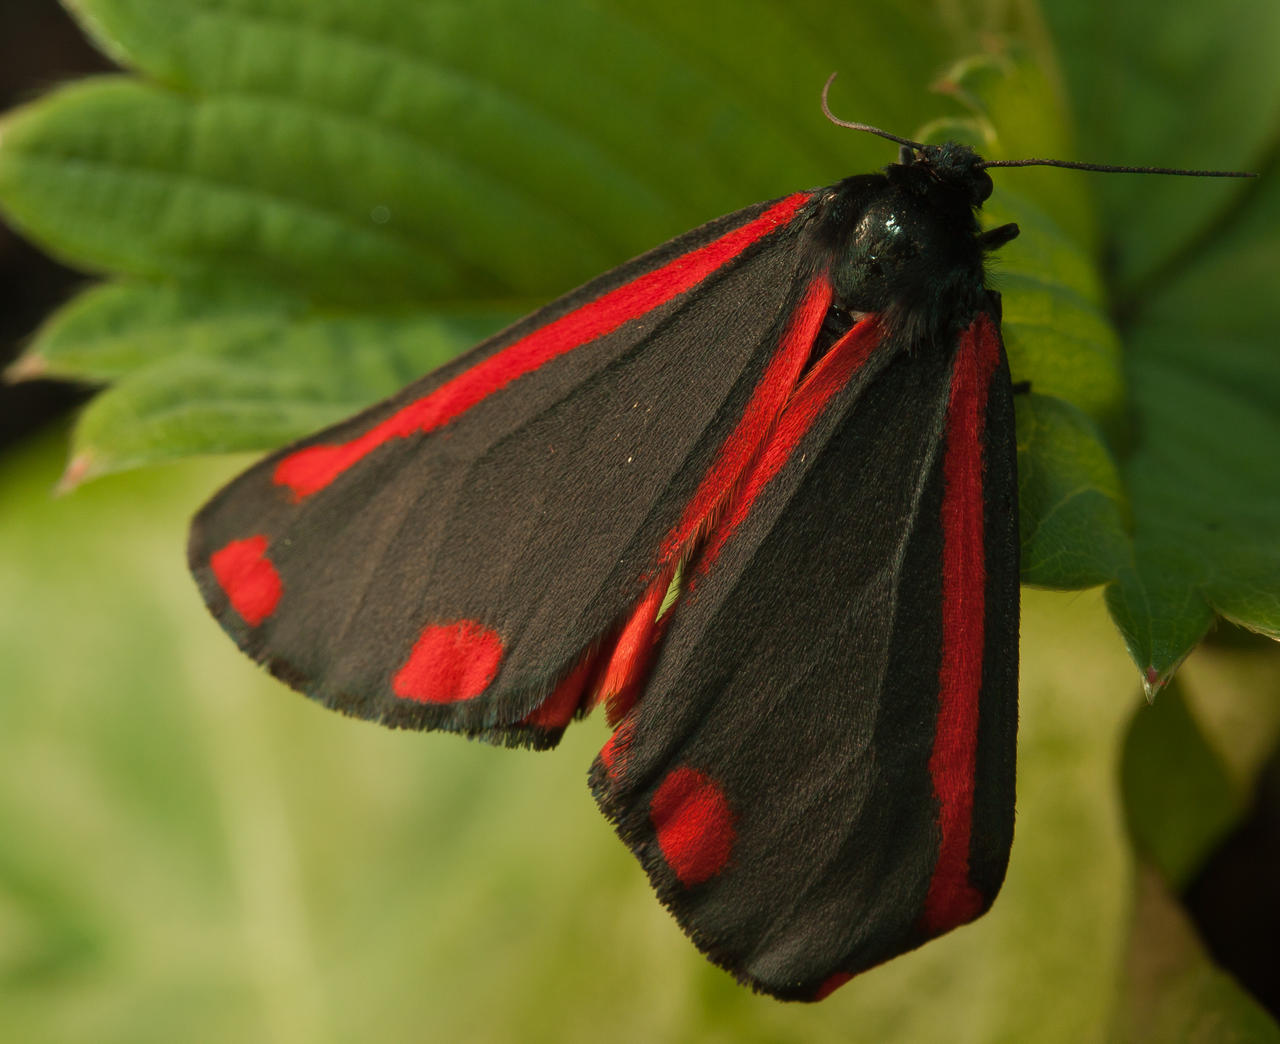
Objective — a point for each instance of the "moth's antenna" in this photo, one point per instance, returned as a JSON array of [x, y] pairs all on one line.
[[1105, 168], [1109, 168], [826, 109]]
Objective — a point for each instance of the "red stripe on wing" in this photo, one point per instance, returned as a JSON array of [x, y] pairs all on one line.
[[566, 700], [831, 373], [951, 899], [757, 420], [627, 669], [312, 469], [632, 656]]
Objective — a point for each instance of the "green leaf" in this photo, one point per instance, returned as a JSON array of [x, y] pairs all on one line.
[[281, 164], [1074, 524], [113, 329], [1179, 799], [284, 178], [1202, 478], [1194, 266], [394, 152], [1056, 331], [1195, 87], [244, 390]]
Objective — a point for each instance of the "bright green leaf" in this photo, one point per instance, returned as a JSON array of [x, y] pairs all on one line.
[[375, 160], [113, 329], [239, 385]]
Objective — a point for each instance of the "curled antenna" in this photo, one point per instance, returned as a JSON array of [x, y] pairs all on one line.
[[826, 110], [1105, 168]]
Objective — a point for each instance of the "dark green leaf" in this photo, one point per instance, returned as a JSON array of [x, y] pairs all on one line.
[[1202, 478], [1074, 518], [1179, 799], [1152, 86]]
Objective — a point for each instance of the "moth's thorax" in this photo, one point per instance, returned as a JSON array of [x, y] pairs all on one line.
[[905, 243]]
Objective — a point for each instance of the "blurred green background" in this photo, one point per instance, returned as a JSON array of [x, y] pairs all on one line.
[[188, 851]]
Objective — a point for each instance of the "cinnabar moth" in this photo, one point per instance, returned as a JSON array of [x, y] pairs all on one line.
[[805, 410]]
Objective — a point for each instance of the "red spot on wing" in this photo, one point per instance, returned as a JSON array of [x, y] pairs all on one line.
[[312, 469], [694, 825], [247, 577], [449, 663], [951, 899], [757, 420], [832, 983], [831, 373]]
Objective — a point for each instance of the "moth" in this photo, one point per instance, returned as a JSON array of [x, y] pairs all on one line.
[[754, 493]]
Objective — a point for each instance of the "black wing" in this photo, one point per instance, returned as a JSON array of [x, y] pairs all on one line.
[[820, 773], [464, 555]]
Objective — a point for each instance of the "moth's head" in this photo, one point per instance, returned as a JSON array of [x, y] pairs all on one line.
[[955, 173], [906, 244], [954, 165]]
